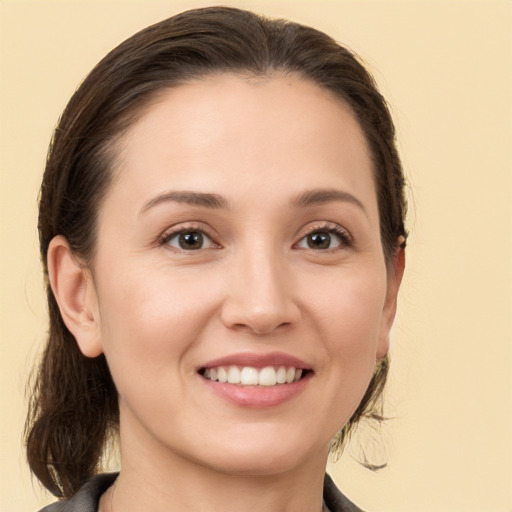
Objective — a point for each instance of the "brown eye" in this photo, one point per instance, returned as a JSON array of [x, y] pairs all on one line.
[[319, 240], [189, 240], [324, 239]]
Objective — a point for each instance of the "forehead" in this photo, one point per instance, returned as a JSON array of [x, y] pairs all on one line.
[[284, 131], [247, 103]]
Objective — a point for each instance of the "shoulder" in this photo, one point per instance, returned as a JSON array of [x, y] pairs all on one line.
[[87, 498], [335, 500]]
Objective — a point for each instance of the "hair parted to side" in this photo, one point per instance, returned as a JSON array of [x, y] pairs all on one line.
[[74, 407]]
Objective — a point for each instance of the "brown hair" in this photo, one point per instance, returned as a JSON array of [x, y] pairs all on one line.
[[74, 401]]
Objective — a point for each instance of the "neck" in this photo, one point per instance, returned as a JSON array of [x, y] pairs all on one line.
[[231, 494]]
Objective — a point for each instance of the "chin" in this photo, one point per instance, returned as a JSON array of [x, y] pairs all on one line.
[[259, 457]]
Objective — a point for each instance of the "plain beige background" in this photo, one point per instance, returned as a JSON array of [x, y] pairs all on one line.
[[446, 68]]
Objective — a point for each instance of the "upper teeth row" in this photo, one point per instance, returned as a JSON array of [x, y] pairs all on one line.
[[249, 376]]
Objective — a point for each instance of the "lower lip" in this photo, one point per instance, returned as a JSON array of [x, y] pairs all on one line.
[[257, 396]]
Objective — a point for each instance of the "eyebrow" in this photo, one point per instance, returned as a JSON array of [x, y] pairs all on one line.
[[206, 200], [313, 197], [321, 196]]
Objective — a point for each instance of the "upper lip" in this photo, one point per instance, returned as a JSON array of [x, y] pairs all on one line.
[[258, 360]]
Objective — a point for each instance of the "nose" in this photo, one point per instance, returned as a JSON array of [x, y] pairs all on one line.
[[260, 294]]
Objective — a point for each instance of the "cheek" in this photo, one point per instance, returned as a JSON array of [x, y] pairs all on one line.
[[350, 309], [150, 320], [349, 318]]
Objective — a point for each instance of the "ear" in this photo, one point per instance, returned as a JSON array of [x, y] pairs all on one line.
[[74, 290], [395, 274]]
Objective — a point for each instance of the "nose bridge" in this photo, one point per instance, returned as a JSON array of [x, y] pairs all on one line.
[[260, 296]]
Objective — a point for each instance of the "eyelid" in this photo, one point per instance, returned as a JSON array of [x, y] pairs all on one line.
[[185, 227], [190, 226], [329, 227]]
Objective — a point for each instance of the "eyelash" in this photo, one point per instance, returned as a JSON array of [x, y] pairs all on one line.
[[169, 235], [344, 236]]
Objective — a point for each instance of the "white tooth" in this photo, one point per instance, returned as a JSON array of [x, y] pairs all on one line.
[[281, 375], [249, 376], [222, 374], [234, 375], [207, 373], [290, 375], [298, 375], [268, 376], [213, 373]]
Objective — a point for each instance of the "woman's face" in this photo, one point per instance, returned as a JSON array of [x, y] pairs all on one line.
[[240, 240]]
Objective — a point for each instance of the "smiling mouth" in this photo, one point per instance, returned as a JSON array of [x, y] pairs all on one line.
[[250, 376]]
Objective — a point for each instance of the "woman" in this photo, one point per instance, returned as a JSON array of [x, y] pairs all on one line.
[[222, 229]]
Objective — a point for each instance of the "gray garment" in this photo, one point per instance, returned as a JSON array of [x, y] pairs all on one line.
[[88, 497]]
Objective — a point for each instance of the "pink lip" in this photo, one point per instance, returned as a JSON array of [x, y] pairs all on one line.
[[259, 397], [258, 360]]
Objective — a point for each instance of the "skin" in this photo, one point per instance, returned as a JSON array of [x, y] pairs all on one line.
[[159, 312]]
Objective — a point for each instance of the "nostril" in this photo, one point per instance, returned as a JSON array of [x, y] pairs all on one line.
[[264, 326]]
